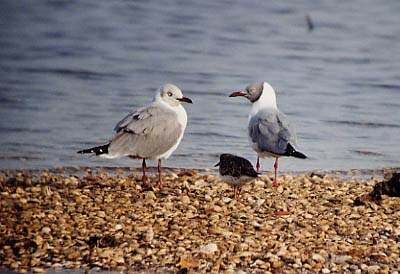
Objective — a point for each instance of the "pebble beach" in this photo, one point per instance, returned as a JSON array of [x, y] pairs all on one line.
[[102, 219]]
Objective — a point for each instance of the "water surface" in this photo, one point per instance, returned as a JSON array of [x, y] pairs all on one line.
[[70, 70]]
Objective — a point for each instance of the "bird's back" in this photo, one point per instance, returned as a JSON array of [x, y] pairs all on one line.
[[235, 166]]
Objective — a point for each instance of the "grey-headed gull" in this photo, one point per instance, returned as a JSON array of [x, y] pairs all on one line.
[[270, 134]]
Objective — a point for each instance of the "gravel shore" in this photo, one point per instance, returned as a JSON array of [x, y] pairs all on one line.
[[102, 219]]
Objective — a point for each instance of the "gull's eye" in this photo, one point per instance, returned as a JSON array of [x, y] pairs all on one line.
[[169, 93]]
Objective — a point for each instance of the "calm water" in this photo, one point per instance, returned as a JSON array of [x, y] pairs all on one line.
[[69, 70]]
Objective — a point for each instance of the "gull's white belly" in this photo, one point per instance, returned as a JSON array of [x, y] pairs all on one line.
[[182, 119], [172, 149]]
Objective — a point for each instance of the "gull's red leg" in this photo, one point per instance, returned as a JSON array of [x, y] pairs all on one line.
[[275, 183], [144, 177], [258, 165], [160, 183]]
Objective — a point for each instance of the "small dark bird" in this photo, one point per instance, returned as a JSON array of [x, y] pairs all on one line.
[[236, 171]]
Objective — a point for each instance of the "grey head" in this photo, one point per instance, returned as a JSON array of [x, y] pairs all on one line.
[[251, 92]]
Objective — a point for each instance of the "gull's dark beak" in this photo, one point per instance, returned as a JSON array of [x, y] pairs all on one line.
[[185, 99], [238, 93], [217, 164]]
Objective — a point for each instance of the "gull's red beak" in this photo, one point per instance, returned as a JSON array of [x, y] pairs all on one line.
[[238, 93]]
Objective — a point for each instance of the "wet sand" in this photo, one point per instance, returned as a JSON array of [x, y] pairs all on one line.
[[102, 219]]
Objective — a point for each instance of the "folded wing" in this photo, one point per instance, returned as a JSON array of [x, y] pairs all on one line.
[[146, 133], [271, 132]]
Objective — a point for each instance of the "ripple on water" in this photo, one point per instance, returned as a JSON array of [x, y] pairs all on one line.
[[362, 124], [78, 73]]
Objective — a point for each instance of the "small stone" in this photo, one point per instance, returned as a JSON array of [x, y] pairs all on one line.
[[106, 253], [260, 202], [217, 208], [307, 266], [46, 230], [38, 240], [325, 270], [341, 259], [173, 175], [150, 196], [257, 225], [149, 235], [137, 258], [325, 228], [259, 183], [180, 249], [209, 248], [318, 258], [119, 259], [38, 270], [118, 227], [373, 268], [277, 264], [185, 199], [259, 262], [308, 216]]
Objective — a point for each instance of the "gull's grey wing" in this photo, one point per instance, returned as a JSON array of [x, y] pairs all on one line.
[[146, 133], [138, 114], [271, 131]]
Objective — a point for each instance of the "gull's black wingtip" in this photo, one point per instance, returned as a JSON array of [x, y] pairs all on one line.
[[290, 151], [97, 150], [84, 151], [299, 155]]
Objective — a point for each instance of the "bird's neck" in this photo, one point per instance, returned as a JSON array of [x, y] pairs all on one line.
[[178, 109], [267, 100]]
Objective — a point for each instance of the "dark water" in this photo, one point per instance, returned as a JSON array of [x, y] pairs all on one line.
[[69, 70]]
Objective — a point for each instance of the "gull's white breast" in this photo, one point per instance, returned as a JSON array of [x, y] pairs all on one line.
[[182, 120]]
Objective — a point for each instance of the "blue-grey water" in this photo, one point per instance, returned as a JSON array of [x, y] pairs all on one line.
[[69, 70]]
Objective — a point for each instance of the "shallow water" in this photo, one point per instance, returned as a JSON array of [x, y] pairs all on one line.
[[70, 70]]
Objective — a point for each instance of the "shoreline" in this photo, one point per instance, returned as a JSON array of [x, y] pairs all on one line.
[[358, 173], [71, 218]]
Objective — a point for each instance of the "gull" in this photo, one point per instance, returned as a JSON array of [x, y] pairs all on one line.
[[236, 171], [151, 132], [270, 134]]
